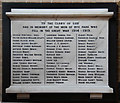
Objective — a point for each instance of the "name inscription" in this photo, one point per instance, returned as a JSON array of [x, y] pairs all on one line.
[[59, 52]]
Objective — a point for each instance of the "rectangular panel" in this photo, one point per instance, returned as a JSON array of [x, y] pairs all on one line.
[[59, 52], [51, 52]]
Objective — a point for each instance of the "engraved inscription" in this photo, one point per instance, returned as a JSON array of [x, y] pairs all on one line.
[[59, 52]]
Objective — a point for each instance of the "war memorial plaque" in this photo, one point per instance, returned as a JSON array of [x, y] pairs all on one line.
[[60, 50]]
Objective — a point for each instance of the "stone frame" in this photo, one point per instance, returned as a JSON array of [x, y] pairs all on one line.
[[60, 96]]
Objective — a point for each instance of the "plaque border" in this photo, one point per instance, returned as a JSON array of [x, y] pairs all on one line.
[[53, 97]]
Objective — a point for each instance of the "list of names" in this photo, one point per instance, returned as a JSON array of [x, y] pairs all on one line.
[[58, 52]]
